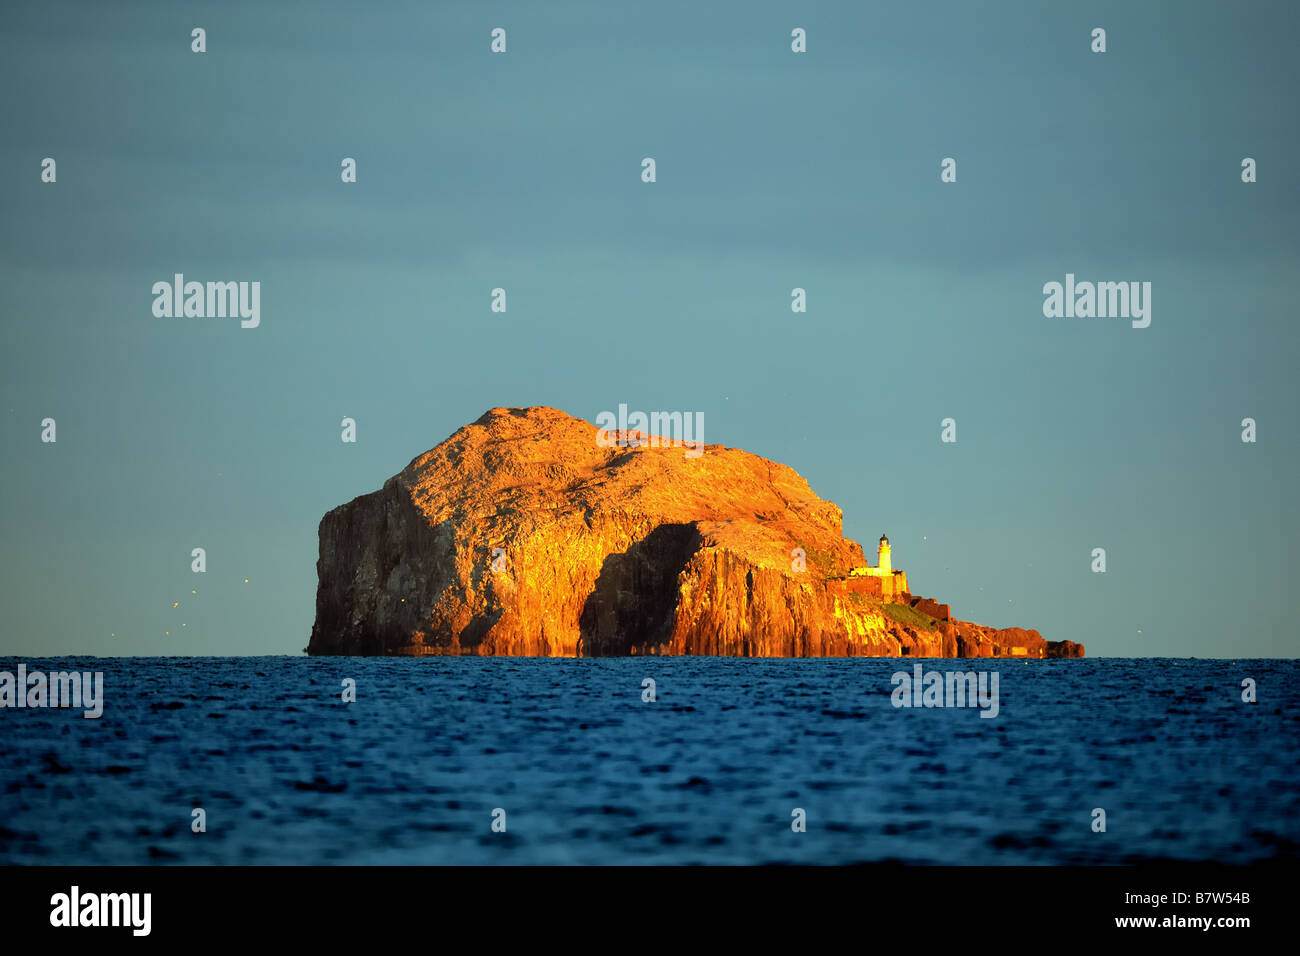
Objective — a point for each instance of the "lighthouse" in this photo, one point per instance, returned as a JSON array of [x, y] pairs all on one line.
[[893, 584]]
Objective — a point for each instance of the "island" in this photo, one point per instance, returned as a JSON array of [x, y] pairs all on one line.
[[532, 533]]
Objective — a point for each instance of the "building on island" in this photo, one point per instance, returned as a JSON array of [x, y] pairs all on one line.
[[893, 583], [886, 583]]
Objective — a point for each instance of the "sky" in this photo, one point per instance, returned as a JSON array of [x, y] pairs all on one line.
[[775, 170]]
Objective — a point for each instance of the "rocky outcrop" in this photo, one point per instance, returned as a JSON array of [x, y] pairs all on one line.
[[521, 535]]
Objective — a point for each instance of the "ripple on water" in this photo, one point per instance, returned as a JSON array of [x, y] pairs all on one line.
[[712, 772]]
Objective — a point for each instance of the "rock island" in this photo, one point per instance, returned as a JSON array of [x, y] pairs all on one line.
[[524, 534]]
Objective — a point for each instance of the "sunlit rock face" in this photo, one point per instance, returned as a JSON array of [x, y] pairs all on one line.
[[523, 534]]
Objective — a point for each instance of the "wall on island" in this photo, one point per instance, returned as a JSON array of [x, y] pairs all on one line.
[[870, 587], [885, 587]]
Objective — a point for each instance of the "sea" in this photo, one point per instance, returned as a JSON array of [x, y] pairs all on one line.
[[652, 760]]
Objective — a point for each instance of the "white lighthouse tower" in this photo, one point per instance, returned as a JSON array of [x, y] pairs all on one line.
[[883, 561]]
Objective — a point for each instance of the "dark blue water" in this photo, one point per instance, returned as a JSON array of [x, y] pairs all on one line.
[[586, 772]]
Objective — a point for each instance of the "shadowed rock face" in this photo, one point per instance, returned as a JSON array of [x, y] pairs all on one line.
[[606, 551]]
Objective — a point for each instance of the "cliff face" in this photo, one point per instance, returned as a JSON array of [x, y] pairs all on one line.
[[520, 535]]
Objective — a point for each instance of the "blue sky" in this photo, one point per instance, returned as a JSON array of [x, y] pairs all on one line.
[[775, 170]]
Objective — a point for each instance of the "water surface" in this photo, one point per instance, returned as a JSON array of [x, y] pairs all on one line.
[[710, 772]]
